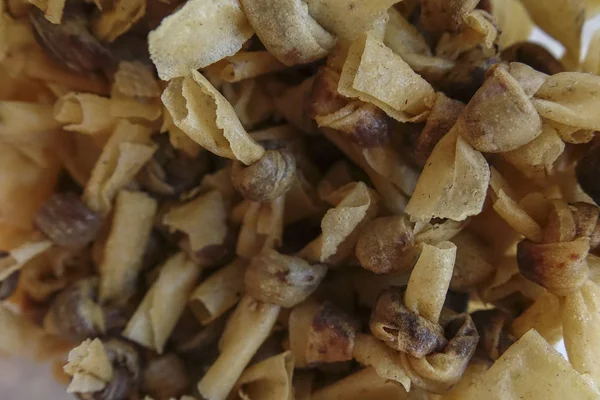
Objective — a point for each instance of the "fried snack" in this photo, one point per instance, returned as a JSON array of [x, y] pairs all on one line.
[[374, 74], [156, 317], [208, 118], [176, 51], [125, 246], [288, 31], [453, 184], [301, 199]]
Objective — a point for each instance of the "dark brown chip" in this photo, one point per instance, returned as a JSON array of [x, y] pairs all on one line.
[[268, 178], [165, 378], [171, 171], [9, 285], [403, 330], [67, 221], [534, 55], [467, 76], [588, 171], [331, 335], [74, 314], [387, 245], [70, 42]]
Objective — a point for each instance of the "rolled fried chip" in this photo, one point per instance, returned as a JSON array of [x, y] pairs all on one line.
[[247, 328], [439, 16], [374, 74], [453, 184], [569, 98], [288, 31], [135, 79], [540, 316], [220, 292], [156, 316], [126, 152], [425, 296], [85, 113], [270, 379], [125, 247], [208, 118], [403, 37], [197, 35], [549, 375], [262, 227], [478, 30]]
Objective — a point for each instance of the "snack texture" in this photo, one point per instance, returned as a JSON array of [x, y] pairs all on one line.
[[301, 199]]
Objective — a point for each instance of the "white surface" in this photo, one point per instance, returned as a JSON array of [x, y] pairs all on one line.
[[27, 380]]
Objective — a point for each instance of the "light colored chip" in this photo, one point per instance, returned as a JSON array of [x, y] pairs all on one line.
[[84, 113], [119, 19], [374, 74], [430, 279], [206, 116], [200, 33], [347, 19], [536, 159], [126, 152], [245, 65], [125, 247], [478, 29], [356, 204], [89, 367], [364, 384], [156, 316], [570, 98], [549, 376], [262, 227], [541, 316], [288, 31], [270, 379], [453, 184], [219, 293], [135, 79], [203, 220], [387, 362], [389, 164], [403, 37]]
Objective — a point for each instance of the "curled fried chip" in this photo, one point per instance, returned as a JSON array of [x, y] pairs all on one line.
[[478, 29], [531, 353], [197, 35], [453, 184], [245, 65], [206, 116], [536, 158], [439, 15], [203, 220], [373, 73], [356, 204], [570, 98], [347, 19], [271, 379], [288, 31], [126, 152], [89, 366]]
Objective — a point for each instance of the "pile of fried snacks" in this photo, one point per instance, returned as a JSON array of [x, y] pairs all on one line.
[[301, 199]]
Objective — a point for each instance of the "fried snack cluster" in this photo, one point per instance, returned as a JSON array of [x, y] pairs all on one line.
[[301, 199]]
